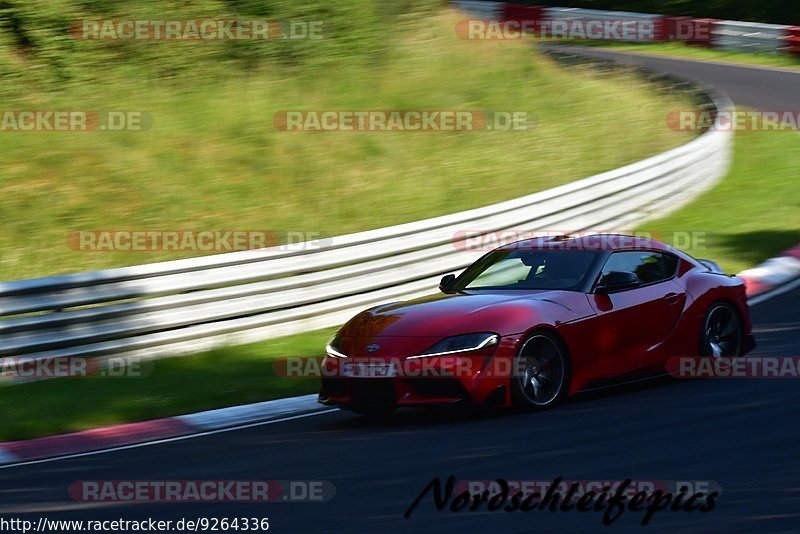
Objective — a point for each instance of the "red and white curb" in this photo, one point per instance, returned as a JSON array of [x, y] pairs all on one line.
[[7, 457], [773, 273], [251, 413], [768, 279], [116, 436]]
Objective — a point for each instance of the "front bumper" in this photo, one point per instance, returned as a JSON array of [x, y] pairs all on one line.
[[356, 393], [437, 381]]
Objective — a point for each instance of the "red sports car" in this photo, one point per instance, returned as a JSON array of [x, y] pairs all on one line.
[[533, 322]]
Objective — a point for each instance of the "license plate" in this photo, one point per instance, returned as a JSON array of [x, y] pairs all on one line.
[[368, 370]]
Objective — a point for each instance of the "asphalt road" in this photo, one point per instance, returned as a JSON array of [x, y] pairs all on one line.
[[743, 434], [748, 86]]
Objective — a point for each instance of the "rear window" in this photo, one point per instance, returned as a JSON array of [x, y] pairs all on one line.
[[650, 267]]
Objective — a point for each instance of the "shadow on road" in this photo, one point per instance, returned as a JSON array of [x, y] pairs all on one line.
[[420, 417]]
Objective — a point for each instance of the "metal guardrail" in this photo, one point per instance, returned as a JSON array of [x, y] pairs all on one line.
[[749, 36], [195, 304], [185, 305], [480, 9], [623, 18], [724, 34]]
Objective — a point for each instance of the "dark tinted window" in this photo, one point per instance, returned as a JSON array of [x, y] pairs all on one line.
[[650, 267], [530, 269]]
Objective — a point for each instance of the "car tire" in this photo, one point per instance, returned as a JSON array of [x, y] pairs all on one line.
[[721, 334], [542, 372]]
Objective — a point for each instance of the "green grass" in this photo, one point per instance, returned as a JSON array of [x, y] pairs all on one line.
[[173, 386], [754, 213], [213, 160], [763, 59]]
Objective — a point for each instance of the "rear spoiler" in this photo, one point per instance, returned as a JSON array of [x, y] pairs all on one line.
[[712, 266]]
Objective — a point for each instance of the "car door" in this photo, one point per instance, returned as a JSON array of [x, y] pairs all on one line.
[[632, 324]]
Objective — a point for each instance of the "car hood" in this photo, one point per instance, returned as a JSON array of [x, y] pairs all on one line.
[[440, 315]]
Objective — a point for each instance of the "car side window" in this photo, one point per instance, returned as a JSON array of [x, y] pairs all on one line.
[[650, 267]]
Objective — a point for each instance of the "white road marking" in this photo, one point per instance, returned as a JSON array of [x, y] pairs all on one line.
[[6, 456]]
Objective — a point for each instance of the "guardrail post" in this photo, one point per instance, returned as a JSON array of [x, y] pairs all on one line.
[[520, 13], [793, 40], [661, 29], [692, 31], [703, 32]]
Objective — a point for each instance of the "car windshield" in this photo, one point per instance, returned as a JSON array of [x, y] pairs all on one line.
[[530, 270]]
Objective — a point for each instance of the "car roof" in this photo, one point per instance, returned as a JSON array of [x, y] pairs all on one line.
[[593, 242]]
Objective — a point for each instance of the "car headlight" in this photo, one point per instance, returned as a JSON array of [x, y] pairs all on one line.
[[457, 344], [334, 347]]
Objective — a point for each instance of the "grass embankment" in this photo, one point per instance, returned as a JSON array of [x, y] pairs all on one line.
[[213, 159], [753, 214], [173, 386]]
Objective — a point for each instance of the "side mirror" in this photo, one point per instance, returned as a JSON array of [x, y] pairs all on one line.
[[447, 283], [618, 281]]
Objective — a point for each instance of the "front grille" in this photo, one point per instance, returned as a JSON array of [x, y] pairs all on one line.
[[438, 388], [375, 391]]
